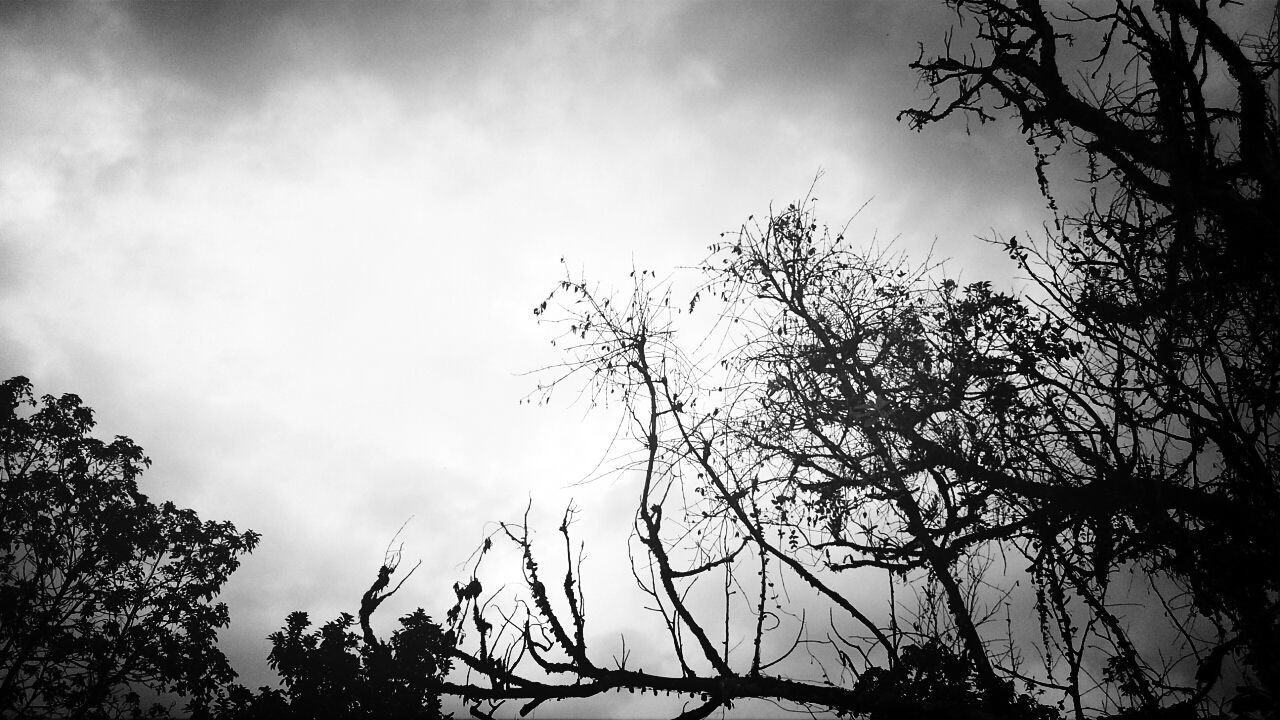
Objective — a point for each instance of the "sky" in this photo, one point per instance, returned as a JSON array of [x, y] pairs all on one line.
[[292, 249]]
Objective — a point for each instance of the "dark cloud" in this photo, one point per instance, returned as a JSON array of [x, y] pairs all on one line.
[[822, 47], [67, 32], [31, 17], [233, 51], [237, 52]]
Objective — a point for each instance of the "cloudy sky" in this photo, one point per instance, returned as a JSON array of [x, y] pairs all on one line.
[[292, 249]]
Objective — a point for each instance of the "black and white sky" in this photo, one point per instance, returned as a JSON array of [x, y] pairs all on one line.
[[291, 249]]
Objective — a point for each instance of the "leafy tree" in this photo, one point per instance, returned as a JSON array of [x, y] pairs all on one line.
[[102, 592], [1097, 456], [333, 672]]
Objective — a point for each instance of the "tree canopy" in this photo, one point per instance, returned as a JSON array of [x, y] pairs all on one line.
[[1067, 498], [333, 673], [104, 594], [107, 599]]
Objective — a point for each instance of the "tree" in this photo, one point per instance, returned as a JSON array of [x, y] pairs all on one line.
[[1098, 455], [1170, 275], [102, 592], [335, 673]]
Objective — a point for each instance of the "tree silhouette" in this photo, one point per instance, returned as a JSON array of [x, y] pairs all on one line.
[[333, 672], [1171, 275], [102, 592], [1070, 496]]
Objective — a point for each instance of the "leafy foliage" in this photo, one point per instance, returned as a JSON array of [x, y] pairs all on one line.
[[333, 672], [102, 592]]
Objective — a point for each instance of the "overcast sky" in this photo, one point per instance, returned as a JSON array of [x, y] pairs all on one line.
[[292, 249]]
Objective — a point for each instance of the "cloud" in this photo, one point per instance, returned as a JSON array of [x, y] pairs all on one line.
[[291, 248]]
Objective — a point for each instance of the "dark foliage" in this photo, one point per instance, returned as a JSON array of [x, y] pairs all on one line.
[[1172, 275], [333, 672], [102, 592]]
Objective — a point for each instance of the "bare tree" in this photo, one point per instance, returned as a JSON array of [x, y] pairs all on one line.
[[1098, 457]]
